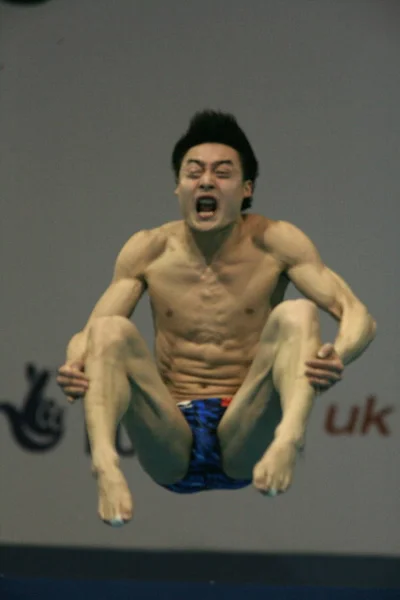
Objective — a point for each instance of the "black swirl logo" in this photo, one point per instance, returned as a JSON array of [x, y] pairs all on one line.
[[39, 425]]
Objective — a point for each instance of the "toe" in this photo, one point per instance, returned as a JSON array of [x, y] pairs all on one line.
[[264, 485], [280, 488], [273, 485], [287, 482], [261, 484], [126, 505], [101, 511], [259, 477], [116, 522], [126, 511]]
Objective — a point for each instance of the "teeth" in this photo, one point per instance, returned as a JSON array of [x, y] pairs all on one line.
[[206, 203]]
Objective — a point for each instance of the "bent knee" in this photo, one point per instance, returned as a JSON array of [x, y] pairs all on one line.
[[111, 331], [296, 313]]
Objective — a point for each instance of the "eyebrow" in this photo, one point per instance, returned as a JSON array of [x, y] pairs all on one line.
[[217, 163]]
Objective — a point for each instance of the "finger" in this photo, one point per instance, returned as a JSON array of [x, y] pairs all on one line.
[[70, 370], [326, 350], [329, 361], [67, 382], [325, 371], [325, 364], [318, 383], [77, 365], [65, 379], [71, 373], [321, 374], [75, 391], [66, 369]]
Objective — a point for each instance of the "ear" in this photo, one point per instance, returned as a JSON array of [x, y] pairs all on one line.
[[248, 188]]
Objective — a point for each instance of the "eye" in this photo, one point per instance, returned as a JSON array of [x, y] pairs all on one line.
[[224, 174], [193, 174]]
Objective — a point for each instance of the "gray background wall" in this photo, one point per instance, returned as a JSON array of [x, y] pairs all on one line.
[[93, 96]]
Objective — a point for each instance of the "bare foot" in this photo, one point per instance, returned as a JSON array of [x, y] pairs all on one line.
[[274, 473], [115, 500]]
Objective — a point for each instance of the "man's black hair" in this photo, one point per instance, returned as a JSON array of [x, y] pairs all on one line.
[[211, 126]]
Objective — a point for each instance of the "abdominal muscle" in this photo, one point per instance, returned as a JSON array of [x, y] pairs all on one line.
[[203, 368]]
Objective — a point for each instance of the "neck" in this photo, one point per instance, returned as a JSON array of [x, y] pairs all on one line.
[[209, 244]]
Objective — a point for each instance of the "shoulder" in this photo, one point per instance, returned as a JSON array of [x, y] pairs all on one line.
[[144, 247], [267, 233], [283, 239], [290, 244], [255, 226]]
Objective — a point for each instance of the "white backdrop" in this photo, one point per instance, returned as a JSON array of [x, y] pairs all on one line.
[[93, 96]]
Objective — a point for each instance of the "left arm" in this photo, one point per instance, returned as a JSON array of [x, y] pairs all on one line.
[[357, 328], [320, 284]]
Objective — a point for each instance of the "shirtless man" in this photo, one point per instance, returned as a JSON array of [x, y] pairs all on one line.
[[226, 399]]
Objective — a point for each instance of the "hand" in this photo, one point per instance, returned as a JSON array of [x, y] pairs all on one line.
[[72, 380], [325, 370]]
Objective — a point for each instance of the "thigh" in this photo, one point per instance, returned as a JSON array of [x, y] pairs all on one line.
[[158, 431], [160, 436], [249, 424], [248, 428]]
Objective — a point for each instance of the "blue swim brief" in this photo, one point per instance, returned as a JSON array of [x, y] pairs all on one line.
[[205, 468]]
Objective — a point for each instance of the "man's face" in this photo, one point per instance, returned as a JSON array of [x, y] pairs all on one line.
[[211, 187]]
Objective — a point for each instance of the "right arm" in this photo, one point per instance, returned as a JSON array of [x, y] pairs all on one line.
[[122, 295], [120, 299]]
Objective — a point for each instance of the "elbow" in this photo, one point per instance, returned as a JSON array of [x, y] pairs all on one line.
[[76, 348], [364, 317], [367, 322], [370, 323], [373, 327]]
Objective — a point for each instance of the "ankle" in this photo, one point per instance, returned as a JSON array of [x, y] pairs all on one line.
[[104, 461], [290, 437]]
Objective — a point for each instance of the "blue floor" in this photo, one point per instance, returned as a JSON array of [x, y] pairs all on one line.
[[46, 589]]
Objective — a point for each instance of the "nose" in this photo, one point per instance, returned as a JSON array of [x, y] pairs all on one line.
[[207, 181], [206, 187]]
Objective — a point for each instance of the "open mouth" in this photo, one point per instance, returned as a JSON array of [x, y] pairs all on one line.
[[206, 206]]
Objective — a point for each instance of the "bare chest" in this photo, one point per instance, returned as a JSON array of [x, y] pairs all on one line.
[[195, 302]]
